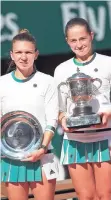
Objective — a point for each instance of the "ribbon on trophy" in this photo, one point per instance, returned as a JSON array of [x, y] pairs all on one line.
[[21, 133]]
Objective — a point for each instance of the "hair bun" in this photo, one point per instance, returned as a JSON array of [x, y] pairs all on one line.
[[24, 31]]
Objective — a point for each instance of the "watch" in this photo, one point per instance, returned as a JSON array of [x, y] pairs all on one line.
[[43, 147]]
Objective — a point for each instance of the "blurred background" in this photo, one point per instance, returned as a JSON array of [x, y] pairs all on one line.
[[46, 21]]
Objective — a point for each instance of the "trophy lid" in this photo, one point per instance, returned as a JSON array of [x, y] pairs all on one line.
[[79, 75]]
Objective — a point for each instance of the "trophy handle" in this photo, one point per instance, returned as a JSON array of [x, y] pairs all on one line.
[[62, 83], [65, 83], [99, 80]]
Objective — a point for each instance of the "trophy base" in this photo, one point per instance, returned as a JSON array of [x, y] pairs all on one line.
[[83, 121]]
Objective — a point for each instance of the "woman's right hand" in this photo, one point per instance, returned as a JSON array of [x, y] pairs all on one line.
[[34, 156], [64, 126]]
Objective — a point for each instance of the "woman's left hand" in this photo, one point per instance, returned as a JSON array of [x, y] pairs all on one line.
[[105, 116], [35, 155]]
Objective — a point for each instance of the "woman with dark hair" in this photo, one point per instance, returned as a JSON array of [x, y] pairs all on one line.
[[26, 89], [86, 151]]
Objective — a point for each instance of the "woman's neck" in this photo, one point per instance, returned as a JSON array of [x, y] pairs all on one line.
[[85, 58], [23, 75]]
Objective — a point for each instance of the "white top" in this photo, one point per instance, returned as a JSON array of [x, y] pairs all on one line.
[[36, 95], [98, 67]]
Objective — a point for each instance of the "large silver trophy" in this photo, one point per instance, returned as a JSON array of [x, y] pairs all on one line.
[[21, 133], [82, 90]]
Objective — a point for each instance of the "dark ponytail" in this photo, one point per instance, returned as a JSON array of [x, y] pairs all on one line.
[[11, 67]]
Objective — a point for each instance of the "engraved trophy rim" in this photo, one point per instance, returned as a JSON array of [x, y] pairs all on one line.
[[79, 75], [13, 132]]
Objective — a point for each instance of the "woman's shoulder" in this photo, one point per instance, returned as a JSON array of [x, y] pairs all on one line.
[[103, 57], [43, 77], [5, 77], [63, 65]]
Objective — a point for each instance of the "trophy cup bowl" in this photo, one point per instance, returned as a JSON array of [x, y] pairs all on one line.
[[21, 133], [81, 90]]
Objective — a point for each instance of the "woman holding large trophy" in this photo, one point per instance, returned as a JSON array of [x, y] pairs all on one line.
[[84, 83], [29, 114]]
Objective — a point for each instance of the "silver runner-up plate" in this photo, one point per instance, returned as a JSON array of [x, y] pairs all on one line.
[[21, 133]]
